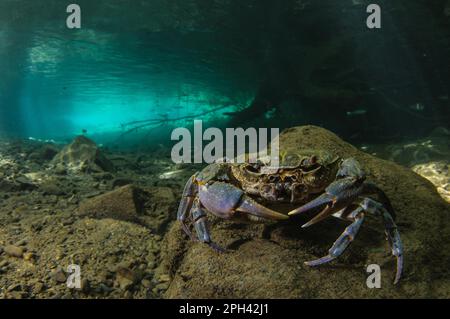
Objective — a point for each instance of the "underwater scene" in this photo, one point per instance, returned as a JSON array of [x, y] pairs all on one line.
[[186, 149]]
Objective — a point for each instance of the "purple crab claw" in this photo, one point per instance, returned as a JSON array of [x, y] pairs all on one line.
[[225, 200], [337, 196]]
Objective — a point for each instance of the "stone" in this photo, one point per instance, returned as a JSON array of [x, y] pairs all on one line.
[[24, 183], [45, 153], [50, 188], [153, 207], [85, 285], [14, 251], [267, 261], [124, 203], [38, 287], [59, 276], [29, 256], [146, 283], [83, 155]]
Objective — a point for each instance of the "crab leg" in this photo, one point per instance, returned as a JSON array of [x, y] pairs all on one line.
[[187, 199], [201, 226], [391, 231], [344, 239], [372, 207]]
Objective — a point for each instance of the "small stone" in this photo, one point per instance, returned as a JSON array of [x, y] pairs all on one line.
[[164, 278], [38, 287], [60, 169], [104, 288], [124, 283], [85, 285], [162, 287], [126, 278], [59, 276], [29, 256], [22, 242], [14, 251], [146, 283], [14, 287]]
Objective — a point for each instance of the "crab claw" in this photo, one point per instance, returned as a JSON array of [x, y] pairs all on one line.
[[337, 196], [225, 200]]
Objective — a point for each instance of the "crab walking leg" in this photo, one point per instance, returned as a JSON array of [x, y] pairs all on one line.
[[392, 234], [201, 226], [189, 193], [344, 240]]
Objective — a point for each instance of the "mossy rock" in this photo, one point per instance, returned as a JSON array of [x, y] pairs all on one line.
[[266, 261], [83, 155]]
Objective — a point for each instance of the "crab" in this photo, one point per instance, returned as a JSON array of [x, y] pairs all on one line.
[[308, 181]]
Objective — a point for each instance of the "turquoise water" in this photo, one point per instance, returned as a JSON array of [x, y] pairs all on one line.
[[288, 63], [93, 82]]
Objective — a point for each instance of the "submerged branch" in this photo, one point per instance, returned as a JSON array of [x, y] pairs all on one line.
[[136, 125]]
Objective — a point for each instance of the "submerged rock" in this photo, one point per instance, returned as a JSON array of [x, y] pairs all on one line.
[[14, 251], [153, 207], [83, 155], [125, 203], [439, 174], [266, 261], [44, 153]]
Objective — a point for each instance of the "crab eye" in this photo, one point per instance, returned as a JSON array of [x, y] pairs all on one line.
[[273, 178]]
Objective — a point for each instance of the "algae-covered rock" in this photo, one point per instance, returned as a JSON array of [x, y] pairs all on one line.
[[266, 261], [82, 155]]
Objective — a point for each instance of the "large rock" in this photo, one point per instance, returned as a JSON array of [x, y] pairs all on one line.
[[266, 261], [124, 203], [152, 207], [82, 155]]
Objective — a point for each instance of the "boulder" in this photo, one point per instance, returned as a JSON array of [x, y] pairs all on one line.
[[125, 203], [153, 207], [82, 155], [267, 261]]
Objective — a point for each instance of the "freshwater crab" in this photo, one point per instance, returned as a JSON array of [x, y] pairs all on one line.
[[308, 181]]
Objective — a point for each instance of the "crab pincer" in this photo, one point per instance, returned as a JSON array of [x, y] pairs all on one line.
[[227, 201]]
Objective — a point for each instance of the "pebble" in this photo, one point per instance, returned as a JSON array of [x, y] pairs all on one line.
[[59, 276], [146, 283], [124, 283], [14, 251], [38, 287], [164, 278], [29, 256], [22, 242], [85, 285]]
